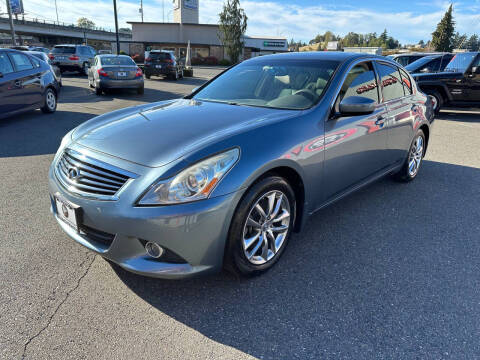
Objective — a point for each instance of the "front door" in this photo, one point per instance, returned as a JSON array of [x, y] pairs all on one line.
[[355, 145], [473, 82]]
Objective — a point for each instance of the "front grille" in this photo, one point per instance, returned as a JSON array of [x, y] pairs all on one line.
[[86, 176], [101, 237]]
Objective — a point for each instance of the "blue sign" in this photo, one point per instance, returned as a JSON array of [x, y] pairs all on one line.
[[16, 6]]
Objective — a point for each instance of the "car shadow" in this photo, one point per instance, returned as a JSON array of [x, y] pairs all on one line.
[[35, 133], [378, 274]]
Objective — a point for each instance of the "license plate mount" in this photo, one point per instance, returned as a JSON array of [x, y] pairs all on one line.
[[67, 212]]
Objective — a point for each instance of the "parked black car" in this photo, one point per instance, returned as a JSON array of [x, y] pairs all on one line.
[[163, 63], [430, 63], [457, 85], [26, 83]]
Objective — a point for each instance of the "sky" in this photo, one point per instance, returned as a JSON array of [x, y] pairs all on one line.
[[407, 21]]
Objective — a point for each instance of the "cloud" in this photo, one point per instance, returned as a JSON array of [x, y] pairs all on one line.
[[272, 18]]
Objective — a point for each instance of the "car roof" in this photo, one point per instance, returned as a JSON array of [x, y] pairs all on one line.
[[319, 55]]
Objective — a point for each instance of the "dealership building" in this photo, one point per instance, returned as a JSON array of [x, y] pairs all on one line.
[[204, 38]]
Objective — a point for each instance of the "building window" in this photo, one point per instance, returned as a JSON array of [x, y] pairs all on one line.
[[200, 52]]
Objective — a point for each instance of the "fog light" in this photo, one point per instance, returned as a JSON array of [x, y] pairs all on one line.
[[153, 250]]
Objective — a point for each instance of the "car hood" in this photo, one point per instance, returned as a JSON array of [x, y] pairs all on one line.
[[156, 134]]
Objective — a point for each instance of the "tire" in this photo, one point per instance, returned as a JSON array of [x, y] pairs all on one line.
[[50, 101], [140, 90], [250, 258], [415, 154], [438, 99], [98, 91], [148, 76]]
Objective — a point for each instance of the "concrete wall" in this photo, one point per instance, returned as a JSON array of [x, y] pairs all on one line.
[[176, 33]]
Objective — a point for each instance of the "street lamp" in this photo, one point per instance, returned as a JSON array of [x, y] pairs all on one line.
[[116, 25]]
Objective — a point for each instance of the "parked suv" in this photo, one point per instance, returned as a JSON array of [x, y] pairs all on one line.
[[72, 57], [457, 85], [164, 63], [26, 83]]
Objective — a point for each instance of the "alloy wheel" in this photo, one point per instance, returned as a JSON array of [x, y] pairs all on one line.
[[266, 227], [50, 100], [415, 156]]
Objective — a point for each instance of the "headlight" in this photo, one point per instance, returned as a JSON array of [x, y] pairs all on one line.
[[67, 139], [194, 183]]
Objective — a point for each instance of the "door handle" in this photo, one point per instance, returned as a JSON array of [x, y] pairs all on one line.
[[18, 83]]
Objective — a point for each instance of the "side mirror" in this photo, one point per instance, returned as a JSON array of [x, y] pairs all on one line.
[[357, 105], [425, 70]]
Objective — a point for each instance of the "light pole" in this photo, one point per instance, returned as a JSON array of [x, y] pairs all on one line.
[[56, 10], [116, 25], [12, 28], [141, 8]]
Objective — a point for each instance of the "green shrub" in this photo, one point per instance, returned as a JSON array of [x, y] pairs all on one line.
[[224, 62]]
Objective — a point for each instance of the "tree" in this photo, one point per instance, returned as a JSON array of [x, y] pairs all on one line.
[[442, 37], [83, 22], [473, 44], [125, 30], [233, 24]]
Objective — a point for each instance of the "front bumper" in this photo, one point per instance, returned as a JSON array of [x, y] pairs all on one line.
[[196, 232], [120, 84]]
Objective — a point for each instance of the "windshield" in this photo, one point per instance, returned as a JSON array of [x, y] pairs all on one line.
[[63, 50], [417, 64], [285, 84], [460, 62], [116, 60]]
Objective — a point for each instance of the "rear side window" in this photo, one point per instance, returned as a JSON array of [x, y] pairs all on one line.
[[21, 62], [360, 81], [35, 62], [407, 83], [5, 64], [392, 87], [63, 50]]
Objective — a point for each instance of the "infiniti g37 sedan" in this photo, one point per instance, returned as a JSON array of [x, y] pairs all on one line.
[[221, 177]]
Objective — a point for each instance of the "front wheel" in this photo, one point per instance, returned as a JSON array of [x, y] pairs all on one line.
[[261, 227], [50, 101], [437, 100], [414, 159]]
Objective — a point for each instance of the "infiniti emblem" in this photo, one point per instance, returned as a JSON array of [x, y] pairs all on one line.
[[73, 173]]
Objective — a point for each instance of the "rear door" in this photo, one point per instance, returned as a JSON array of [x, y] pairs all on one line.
[[397, 97], [10, 93], [28, 78], [355, 145]]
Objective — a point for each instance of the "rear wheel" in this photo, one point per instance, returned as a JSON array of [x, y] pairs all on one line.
[[50, 102], [140, 90], [98, 90], [147, 75], [414, 159], [261, 227]]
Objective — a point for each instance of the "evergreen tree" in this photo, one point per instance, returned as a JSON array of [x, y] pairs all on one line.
[[233, 24], [442, 37]]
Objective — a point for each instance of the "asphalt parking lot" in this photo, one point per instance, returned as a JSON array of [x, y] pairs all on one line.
[[391, 272]]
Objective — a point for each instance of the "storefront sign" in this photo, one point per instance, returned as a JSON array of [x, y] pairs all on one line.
[[274, 43]]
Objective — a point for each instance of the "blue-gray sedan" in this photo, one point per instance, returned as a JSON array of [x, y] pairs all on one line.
[[223, 176]]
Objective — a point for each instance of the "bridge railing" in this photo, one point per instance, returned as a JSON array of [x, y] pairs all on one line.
[[49, 23]]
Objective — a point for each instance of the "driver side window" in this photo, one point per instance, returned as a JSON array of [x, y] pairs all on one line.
[[360, 81]]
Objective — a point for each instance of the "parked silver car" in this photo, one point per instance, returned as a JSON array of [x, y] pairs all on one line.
[[223, 176], [115, 72], [72, 57]]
